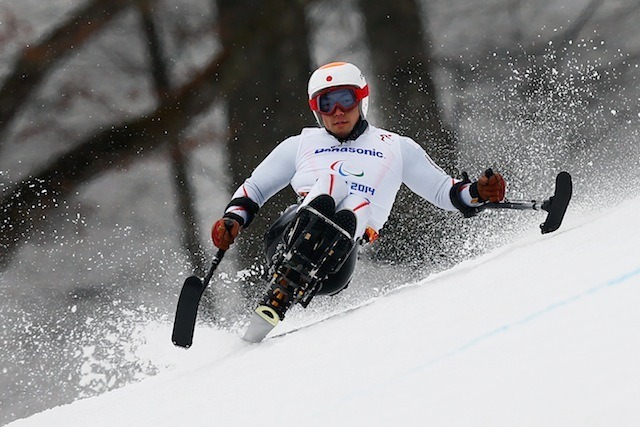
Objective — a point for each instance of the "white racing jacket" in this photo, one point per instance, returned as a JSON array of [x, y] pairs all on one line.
[[374, 166]]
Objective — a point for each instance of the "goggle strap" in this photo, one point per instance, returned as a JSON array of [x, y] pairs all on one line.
[[361, 92]]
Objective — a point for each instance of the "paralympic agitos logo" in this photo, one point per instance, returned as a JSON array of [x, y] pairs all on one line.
[[341, 167], [344, 170]]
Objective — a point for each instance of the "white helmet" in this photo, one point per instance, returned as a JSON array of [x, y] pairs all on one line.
[[338, 74]]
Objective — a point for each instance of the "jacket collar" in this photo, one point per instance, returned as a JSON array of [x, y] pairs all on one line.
[[358, 129]]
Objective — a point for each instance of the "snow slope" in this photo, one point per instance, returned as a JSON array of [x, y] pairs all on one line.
[[542, 332]]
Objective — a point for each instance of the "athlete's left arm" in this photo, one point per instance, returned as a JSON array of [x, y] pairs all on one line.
[[425, 178]]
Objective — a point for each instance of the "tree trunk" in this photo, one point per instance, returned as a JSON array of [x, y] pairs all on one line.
[[179, 158], [265, 80], [407, 97], [406, 93]]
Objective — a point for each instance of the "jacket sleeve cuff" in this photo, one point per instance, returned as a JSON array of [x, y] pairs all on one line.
[[242, 209], [462, 197]]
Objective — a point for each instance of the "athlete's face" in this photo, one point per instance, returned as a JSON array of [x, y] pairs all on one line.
[[341, 123]]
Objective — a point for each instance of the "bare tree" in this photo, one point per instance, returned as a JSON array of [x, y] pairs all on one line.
[[39, 59], [179, 157], [25, 207]]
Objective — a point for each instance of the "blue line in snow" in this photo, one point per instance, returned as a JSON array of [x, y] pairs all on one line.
[[484, 337], [528, 319]]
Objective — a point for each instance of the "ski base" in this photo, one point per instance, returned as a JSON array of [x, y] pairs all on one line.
[[557, 204], [186, 312], [264, 319], [187, 309]]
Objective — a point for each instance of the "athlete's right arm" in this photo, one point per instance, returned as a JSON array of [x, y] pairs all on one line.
[[269, 177]]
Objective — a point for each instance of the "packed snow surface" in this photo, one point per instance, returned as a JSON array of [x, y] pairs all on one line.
[[541, 332]]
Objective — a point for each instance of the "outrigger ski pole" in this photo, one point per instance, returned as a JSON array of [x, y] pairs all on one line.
[[556, 205], [187, 309]]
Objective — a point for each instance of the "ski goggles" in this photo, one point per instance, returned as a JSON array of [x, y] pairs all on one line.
[[347, 98]]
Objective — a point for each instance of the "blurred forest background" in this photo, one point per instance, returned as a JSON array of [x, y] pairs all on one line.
[[126, 125]]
